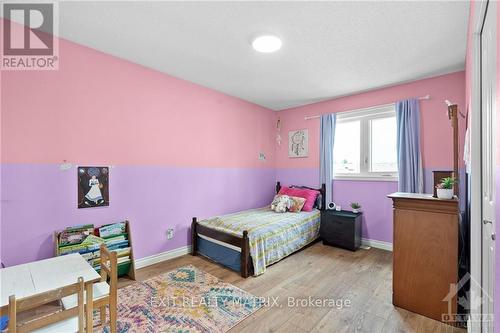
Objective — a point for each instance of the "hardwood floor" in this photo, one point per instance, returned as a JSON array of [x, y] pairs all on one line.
[[322, 272]]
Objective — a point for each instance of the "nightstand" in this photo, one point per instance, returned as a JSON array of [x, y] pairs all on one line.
[[341, 228]]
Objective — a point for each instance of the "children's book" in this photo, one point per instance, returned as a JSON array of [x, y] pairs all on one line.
[[112, 229], [74, 235], [92, 239]]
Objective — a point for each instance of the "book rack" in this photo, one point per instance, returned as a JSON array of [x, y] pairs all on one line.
[[126, 268]]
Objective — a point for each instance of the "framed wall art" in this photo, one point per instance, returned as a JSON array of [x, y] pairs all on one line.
[[298, 143], [93, 186]]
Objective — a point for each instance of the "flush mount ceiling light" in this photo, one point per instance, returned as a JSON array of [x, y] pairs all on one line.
[[267, 43]]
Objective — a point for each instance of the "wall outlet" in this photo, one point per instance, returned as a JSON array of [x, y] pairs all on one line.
[[262, 156], [170, 233]]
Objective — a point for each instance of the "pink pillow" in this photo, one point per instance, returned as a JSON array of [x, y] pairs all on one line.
[[309, 195]]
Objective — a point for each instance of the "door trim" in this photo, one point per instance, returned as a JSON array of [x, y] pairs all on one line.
[[476, 197]]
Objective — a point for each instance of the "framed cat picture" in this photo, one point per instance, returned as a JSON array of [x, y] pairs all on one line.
[[93, 186]]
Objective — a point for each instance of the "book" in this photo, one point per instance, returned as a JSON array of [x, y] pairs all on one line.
[[89, 227], [112, 229], [122, 252], [86, 240], [92, 239], [97, 267], [91, 255], [123, 260], [119, 260], [118, 245], [73, 237], [72, 248], [82, 250], [114, 240], [78, 248]]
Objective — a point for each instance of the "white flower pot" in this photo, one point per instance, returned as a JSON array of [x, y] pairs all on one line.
[[355, 211], [445, 193]]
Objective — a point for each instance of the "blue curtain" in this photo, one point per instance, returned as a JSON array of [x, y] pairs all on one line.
[[327, 138], [408, 145]]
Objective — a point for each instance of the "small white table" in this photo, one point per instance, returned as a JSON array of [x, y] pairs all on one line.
[[44, 275]]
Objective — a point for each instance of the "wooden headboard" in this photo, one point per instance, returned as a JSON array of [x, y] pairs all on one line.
[[322, 190]]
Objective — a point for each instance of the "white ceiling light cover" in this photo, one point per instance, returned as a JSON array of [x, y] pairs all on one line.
[[267, 43]]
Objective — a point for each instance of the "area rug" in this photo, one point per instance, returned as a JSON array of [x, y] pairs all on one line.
[[184, 300]]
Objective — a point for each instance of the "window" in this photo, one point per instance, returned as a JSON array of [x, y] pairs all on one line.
[[365, 144]]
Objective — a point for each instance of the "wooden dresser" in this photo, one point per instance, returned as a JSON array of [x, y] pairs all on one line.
[[425, 257]]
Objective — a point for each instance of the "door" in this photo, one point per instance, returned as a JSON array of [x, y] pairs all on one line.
[[488, 162]]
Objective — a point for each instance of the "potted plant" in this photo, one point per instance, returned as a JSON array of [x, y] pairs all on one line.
[[445, 188], [355, 207]]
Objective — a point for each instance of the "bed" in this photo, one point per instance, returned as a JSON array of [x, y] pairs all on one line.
[[250, 240]]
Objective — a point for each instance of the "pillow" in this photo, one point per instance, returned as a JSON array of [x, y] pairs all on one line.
[[296, 204], [319, 199], [309, 195], [281, 203]]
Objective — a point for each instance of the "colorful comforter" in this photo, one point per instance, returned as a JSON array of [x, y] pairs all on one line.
[[272, 236]]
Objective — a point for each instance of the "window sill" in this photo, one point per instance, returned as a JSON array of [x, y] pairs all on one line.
[[364, 179]]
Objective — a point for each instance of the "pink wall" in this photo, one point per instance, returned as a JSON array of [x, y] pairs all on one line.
[[99, 109], [436, 136], [177, 149], [437, 153]]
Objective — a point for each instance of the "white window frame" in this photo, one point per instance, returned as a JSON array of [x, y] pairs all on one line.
[[365, 116]]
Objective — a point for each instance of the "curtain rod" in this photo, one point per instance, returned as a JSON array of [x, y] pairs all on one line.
[[419, 98]]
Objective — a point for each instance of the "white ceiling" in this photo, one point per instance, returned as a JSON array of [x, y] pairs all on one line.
[[329, 49]]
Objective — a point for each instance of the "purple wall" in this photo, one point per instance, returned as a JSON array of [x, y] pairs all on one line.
[[372, 195], [152, 198], [377, 208]]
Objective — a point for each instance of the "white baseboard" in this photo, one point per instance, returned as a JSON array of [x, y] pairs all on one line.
[[181, 251], [377, 244], [159, 257]]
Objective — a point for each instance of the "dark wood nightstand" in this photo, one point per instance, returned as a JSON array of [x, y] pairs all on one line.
[[341, 228]]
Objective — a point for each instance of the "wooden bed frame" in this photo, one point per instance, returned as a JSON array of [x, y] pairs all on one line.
[[246, 266]]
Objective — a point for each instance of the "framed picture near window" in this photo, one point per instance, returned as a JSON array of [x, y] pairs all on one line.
[[93, 186], [298, 143]]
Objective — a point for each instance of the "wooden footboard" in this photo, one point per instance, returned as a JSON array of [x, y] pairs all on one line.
[[241, 242], [246, 266]]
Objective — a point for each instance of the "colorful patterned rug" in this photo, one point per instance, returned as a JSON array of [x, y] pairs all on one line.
[[184, 300]]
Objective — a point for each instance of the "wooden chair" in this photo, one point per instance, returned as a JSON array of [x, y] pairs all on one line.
[[64, 321], [104, 294]]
